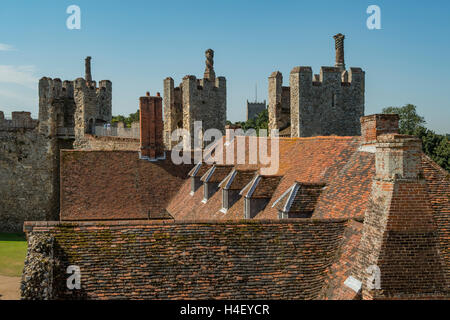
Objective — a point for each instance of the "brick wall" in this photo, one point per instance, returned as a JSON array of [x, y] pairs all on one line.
[[98, 185], [28, 176], [179, 260]]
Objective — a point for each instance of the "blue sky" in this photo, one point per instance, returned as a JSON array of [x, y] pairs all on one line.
[[136, 44]]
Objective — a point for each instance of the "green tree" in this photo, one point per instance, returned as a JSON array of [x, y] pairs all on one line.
[[132, 117], [436, 146], [260, 122], [410, 121]]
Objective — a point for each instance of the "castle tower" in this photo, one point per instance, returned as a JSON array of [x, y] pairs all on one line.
[[69, 109], [195, 100], [329, 103]]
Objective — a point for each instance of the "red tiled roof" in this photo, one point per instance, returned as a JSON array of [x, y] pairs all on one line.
[[316, 160], [347, 194], [312, 160], [194, 260], [341, 269]]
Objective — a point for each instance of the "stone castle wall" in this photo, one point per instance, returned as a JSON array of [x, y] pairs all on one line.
[[28, 172], [30, 149], [279, 103], [107, 143]]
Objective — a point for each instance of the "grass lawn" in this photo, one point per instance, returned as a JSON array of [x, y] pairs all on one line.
[[13, 250]]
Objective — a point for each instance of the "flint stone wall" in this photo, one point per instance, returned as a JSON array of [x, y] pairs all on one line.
[[29, 188]]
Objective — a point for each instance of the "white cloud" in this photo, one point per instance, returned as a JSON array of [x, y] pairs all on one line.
[[6, 47], [21, 75]]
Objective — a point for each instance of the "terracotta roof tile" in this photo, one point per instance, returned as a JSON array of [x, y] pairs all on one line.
[[197, 260]]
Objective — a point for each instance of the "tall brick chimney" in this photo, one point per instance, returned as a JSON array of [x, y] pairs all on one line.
[[377, 124], [151, 129], [339, 46], [398, 255], [87, 67], [209, 69]]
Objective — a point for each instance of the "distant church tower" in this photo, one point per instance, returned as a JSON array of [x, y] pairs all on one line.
[[255, 108]]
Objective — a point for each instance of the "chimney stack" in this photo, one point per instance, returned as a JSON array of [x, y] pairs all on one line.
[[377, 124], [398, 157], [209, 70], [87, 66], [398, 254], [339, 45], [151, 127]]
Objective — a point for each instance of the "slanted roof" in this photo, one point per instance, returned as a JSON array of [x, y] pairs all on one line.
[[197, 260], [347, 194], [312, 160], [316, 160]]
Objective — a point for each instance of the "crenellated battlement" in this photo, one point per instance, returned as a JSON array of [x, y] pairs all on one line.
[[329, 75], [328, 103], [200, 84], [20, 120]]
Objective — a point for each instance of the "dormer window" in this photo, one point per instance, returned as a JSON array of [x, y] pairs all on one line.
[[299, 201], [258, 193], [212, 178], [232, 185], [195, 175]]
